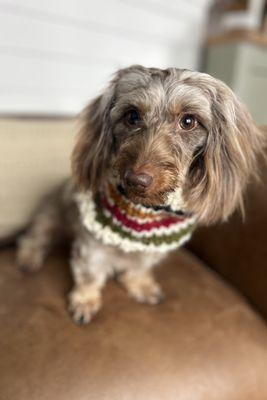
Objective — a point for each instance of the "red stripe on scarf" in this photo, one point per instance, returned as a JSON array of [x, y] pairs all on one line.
[[129, 223]]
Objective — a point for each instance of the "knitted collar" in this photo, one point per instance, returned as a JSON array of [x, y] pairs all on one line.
[[115, 220]]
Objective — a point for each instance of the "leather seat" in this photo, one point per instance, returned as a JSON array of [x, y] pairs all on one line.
[[203, 343]]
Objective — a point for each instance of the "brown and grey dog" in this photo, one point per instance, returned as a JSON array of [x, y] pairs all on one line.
[[167, 137]]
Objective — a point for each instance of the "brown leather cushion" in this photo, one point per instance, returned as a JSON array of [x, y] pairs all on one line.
[[203, 342]]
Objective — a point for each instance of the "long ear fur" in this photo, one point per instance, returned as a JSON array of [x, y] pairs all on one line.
[[90, 156], [220, 172]]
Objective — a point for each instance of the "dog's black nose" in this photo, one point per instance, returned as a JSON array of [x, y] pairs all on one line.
[[138, 179]]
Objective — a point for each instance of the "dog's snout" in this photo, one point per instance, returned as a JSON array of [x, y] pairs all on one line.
[[138, 179]]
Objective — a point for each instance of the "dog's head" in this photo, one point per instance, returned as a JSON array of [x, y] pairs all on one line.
[[169, 137]]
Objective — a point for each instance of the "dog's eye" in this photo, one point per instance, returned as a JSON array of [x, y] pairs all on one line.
[[132, 117], [188, 122]]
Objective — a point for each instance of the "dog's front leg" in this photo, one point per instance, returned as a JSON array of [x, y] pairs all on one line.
[[90, 272], [139, 281]]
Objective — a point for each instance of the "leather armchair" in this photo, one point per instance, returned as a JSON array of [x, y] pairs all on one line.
[[205, 342]]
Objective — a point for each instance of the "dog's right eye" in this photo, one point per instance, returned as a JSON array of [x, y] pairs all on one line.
[[188, 122], [132, 117]]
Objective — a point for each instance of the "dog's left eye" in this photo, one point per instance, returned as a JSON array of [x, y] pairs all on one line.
[[132, 117], [188, 122]]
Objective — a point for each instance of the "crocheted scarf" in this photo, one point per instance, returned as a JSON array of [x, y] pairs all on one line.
[[115, 220]]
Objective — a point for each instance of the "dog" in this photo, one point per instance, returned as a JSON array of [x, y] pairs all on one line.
[[158, 152]]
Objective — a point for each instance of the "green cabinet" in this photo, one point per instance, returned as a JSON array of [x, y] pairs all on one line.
[[243, 66]]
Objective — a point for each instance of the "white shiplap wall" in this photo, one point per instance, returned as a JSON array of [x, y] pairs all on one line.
[[56, 54]]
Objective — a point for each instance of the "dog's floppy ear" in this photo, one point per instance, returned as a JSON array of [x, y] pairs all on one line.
[[221, 170], [91, 153]]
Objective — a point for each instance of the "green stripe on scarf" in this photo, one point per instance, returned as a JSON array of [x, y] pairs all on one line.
[[156, 240]]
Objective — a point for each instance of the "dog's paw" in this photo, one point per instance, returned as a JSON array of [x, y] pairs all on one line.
[[148, 294], [84, 302], [143, 288], [29, 258]]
